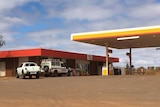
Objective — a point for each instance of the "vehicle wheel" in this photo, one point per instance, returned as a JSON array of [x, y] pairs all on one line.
[[68, 73], [23, 75], [17, 76], [37, 75], [46, 69], [55, 73]]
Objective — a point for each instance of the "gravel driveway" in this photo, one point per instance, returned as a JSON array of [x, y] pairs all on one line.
[[82, 91]]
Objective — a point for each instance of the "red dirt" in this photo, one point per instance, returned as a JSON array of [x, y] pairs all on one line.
[[83, 91]]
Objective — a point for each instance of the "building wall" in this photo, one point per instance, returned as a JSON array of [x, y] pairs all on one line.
[[71, 63], [22, 59], [11, 64], [93, 68], [82, 66], [35, 59]]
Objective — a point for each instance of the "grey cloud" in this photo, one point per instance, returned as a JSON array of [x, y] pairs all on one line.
[[148, 11], [10, 4]]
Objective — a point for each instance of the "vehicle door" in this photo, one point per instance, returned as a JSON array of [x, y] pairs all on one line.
[[63, 68], [19, 69]]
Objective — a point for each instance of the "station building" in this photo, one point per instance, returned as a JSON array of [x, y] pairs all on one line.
[[90, 64]]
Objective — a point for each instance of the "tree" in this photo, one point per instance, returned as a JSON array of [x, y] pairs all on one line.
[[2, 41]]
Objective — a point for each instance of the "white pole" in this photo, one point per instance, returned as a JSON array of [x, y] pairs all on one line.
[[105, 69]]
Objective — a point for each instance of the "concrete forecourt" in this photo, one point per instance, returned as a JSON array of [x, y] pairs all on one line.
[[82, 91]]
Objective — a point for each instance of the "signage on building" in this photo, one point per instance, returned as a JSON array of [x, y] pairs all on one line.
[[89, 57]]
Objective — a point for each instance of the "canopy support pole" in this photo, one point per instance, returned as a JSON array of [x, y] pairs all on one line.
[[107, 59], [130, 60]]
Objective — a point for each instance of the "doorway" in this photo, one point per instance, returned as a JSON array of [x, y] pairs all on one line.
[[2, 69]]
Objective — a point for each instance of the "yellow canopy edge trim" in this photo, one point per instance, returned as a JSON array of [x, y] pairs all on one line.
[[116, 33]]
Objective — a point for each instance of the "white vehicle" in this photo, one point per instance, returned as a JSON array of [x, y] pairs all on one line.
[[54, 67], [28, 69]]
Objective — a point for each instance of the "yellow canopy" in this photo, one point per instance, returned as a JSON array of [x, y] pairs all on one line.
[[139, 37]]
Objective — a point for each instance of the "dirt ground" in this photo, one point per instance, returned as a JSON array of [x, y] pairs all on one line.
[[82, 91]]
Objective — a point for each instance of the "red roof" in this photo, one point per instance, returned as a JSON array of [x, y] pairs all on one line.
[[52, 53]]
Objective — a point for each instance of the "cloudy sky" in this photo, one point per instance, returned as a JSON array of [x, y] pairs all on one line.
[[49, 23]]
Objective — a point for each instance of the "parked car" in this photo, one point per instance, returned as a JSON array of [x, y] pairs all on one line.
[[28, 69], [54, 67]]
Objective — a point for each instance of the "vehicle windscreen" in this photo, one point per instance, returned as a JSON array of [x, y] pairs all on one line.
[[21, 65], [63, 65], [33, 64]]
